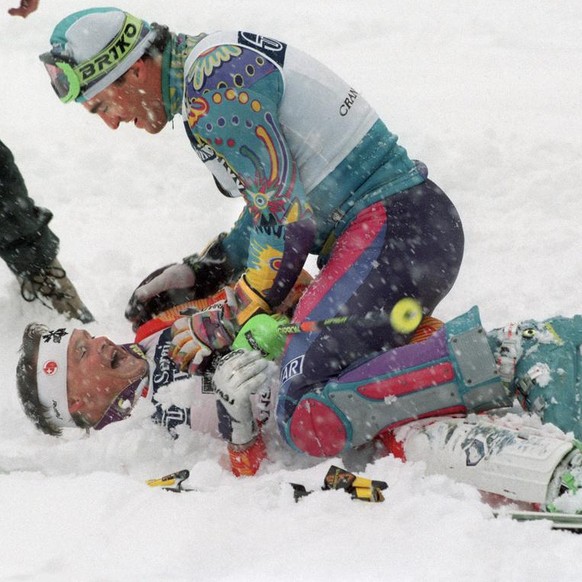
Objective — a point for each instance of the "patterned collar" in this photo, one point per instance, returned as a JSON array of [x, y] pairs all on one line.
[[175, 55]]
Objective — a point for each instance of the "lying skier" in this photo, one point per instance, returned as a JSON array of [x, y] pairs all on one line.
[[420, 405]]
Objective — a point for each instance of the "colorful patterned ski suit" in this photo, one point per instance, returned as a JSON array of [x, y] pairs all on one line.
[[320, 173]]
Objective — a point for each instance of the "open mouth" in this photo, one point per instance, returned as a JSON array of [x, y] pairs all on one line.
[[124, 361]]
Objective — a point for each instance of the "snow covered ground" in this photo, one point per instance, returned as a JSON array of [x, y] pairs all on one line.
[[487, 93]]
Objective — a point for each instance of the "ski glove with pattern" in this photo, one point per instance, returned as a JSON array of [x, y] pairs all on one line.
[[196, 337]]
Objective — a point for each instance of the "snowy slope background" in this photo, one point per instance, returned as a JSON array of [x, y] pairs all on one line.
[[488, 95]]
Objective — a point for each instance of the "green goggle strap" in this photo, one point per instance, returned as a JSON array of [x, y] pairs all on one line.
[[74, 83]]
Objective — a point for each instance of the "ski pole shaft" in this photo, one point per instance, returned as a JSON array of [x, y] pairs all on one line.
[[404, 318], [266, 334]]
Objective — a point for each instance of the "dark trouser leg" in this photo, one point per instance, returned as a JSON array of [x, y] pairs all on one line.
[[27, 245], [411, 245]]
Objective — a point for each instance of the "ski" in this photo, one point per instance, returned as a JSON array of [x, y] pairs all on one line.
[[565, 521], [338, 478], [172, 482]]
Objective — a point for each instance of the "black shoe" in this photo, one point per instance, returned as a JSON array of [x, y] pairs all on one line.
[[52, 284]]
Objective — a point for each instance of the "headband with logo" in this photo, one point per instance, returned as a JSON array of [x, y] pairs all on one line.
[[51, 376]]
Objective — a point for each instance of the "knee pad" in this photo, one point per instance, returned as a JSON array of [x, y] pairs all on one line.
[[318, 428]]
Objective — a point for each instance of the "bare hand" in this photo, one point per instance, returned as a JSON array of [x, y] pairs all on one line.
[[26, 8]]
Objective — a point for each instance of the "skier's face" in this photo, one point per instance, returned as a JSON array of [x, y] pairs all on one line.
[[134, 98], [98, 371]]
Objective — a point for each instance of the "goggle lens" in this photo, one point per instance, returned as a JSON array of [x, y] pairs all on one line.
[[63, 78], [58, 80]]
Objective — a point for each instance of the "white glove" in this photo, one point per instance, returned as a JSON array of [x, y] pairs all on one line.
[[238, 375]]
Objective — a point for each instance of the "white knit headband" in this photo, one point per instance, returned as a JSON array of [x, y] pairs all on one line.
[[51, 376]]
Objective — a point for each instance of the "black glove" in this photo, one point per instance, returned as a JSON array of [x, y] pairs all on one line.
[[161, 290], [197, 277]]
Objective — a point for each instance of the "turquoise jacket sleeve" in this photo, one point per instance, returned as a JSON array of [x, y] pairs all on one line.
[[547, 375]]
